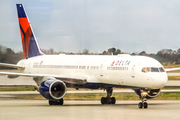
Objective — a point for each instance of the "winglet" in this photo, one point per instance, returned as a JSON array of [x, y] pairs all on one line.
[[29, 42]]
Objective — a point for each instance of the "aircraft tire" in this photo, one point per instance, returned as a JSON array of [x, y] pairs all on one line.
[[145, 105], [52, 102], [113, 100], [60, 102], [140, 105], [103, 100]]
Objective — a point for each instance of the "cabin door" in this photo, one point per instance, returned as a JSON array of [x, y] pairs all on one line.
[[133, 71], [102, 67]]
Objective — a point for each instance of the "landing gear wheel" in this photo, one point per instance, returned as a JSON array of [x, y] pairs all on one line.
[[140, 105], [52, 102], [113, 100], [108, 99], [103, 100], [58, 102], [145, 105]]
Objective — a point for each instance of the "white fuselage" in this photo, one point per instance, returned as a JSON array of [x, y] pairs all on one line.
[[121, 70]]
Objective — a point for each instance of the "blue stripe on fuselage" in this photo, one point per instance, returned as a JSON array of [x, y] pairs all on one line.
[[99, 85]]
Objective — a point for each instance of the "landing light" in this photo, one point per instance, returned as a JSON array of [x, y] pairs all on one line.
[[143, 93]]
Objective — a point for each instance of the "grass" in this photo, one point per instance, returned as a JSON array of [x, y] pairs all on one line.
[[18, 88], [175, 71], [121, 96], [168, 96], [97, 96], [83, 96], [173, 77]]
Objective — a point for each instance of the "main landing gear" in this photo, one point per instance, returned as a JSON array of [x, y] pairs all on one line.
[[143, 104], [108, 99], [57, 102]]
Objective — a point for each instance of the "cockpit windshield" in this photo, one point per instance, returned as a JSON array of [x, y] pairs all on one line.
[[161, 69], [152, 69]]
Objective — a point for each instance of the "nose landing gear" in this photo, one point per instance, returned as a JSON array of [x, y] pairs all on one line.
[[108, 99], [143, 104]]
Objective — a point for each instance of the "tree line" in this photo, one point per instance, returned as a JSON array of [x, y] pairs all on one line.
[[7, 55], [164, 56]]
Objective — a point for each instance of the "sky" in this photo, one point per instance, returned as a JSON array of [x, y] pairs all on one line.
[[96, 25]]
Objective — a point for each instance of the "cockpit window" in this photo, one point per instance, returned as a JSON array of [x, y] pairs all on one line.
[[153, 69], [161, 69], [146, 69]]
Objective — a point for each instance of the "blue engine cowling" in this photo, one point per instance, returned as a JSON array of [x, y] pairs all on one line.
[[52, 89]]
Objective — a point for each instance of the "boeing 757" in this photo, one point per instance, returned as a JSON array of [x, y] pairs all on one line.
[[54, 73]]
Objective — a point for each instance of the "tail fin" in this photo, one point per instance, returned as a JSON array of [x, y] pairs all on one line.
[[29, 43]]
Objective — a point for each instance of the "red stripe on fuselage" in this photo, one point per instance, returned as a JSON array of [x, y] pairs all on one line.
[[28, 32]]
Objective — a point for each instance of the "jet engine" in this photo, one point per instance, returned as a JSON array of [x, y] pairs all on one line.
[[147, 93], [52, 89]]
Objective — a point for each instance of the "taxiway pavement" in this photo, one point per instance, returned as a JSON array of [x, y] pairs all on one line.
[[88, 110]]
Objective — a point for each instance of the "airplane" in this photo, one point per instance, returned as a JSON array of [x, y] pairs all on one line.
[[54, 73]]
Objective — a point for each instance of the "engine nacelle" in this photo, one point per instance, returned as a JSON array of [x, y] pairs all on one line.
[[148, 93], [52, 89]]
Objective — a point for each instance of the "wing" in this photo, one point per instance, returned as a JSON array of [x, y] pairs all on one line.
[[67, 79], [11, 65], [171, 69]]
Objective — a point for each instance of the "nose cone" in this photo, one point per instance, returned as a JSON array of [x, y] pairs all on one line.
[[160, 80]]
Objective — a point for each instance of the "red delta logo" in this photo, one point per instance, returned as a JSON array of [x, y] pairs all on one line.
[[41, 62], [112, 63]]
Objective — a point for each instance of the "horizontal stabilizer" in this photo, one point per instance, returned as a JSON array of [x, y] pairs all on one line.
[[11, 65]]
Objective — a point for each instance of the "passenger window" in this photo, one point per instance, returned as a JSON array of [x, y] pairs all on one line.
[[161, 69], [154, 69]]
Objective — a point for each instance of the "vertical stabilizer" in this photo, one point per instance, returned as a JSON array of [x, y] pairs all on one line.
[[29, 43]]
